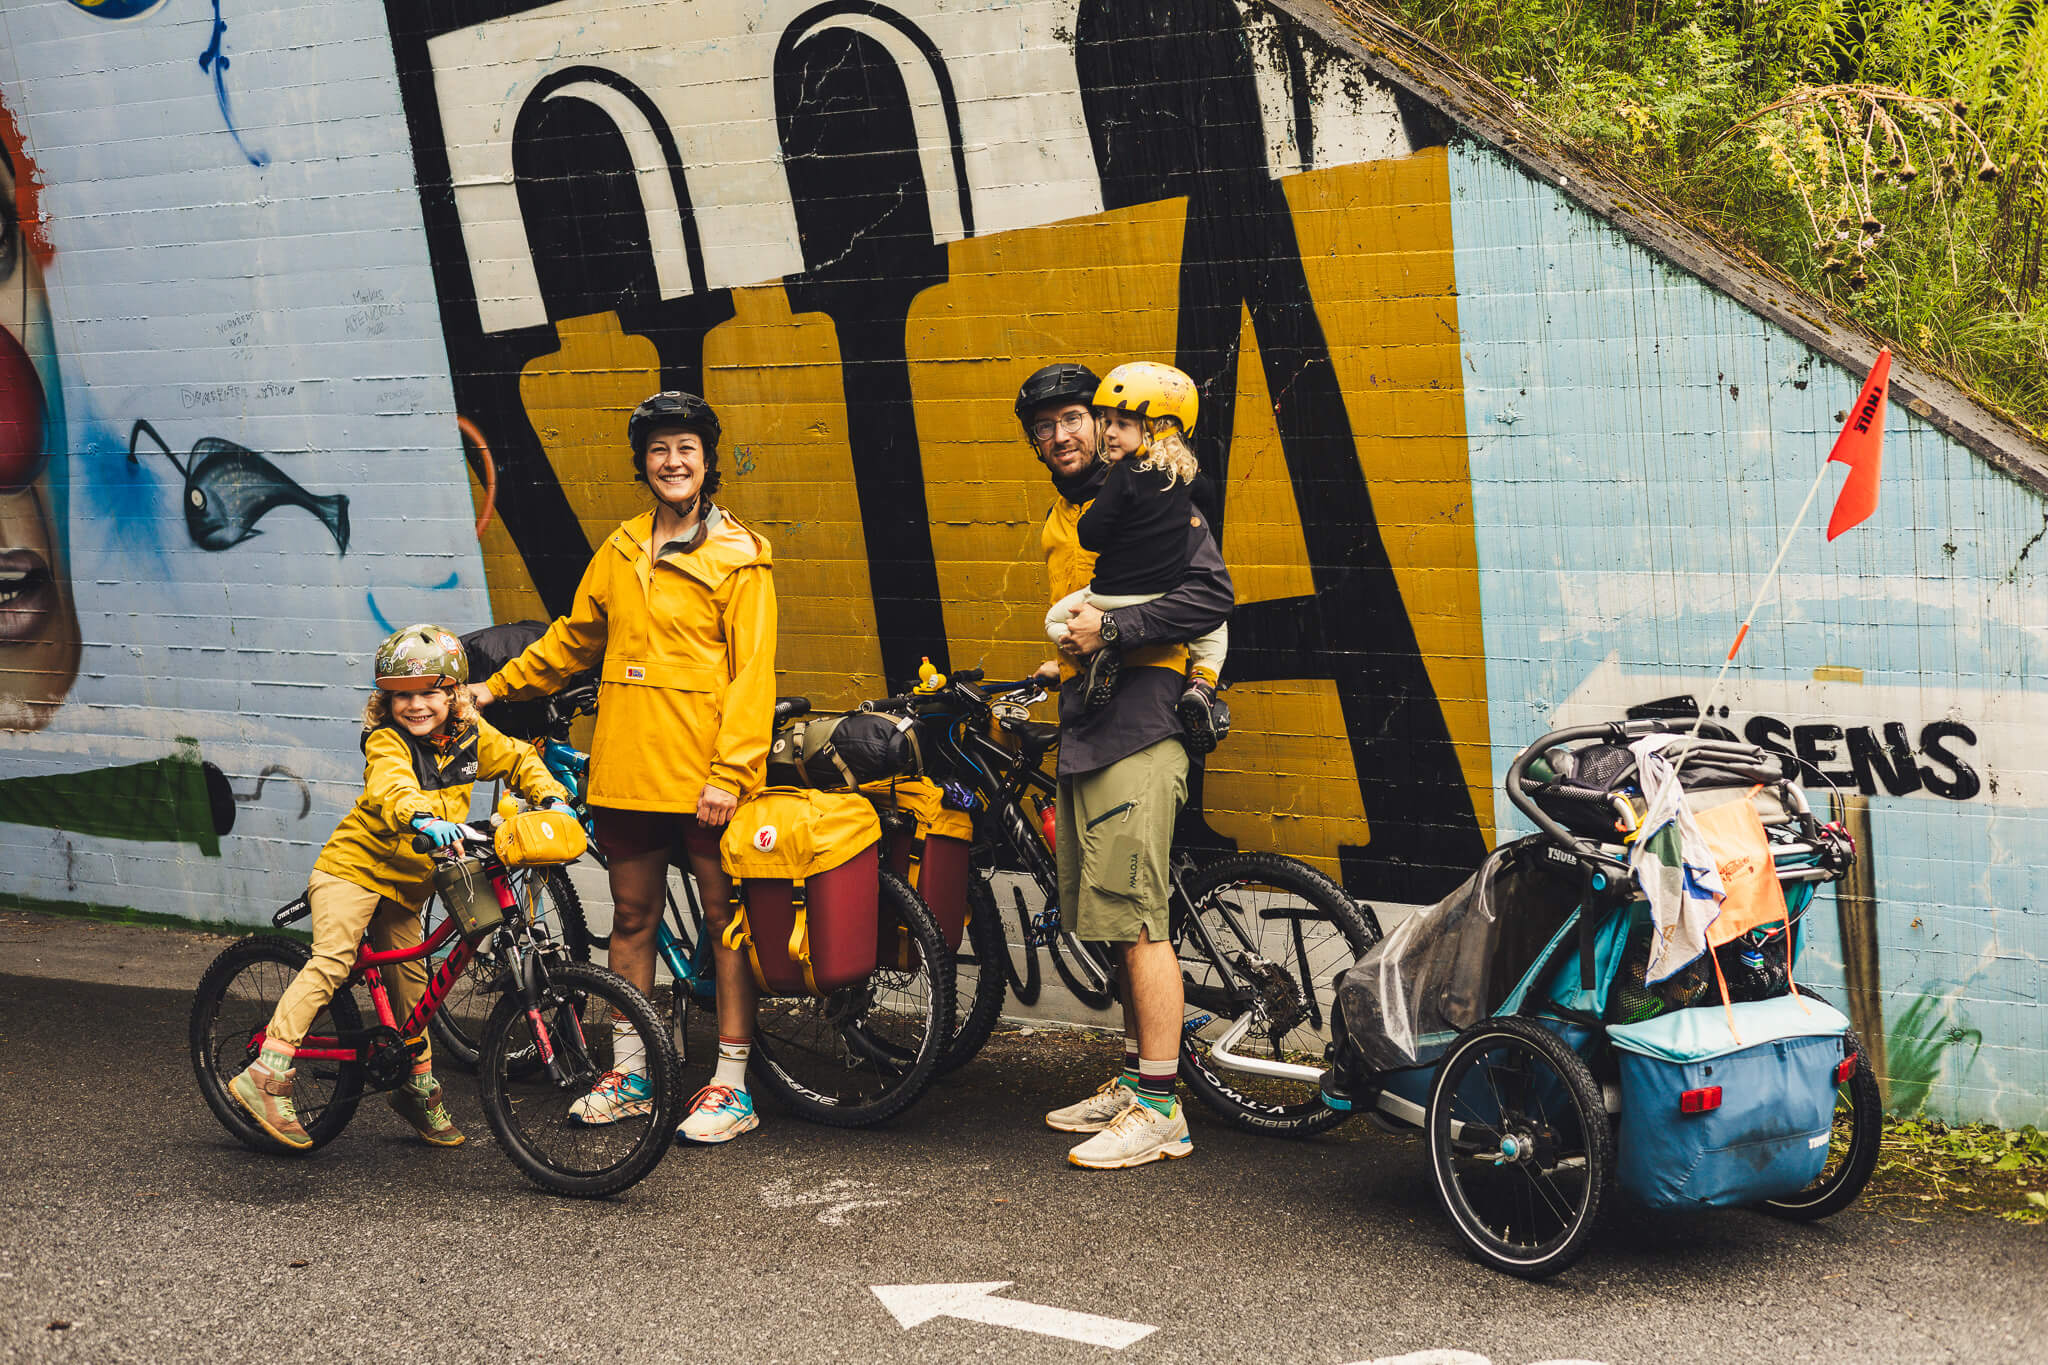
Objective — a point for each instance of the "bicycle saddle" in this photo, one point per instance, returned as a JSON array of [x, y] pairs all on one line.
[[1036, 736]]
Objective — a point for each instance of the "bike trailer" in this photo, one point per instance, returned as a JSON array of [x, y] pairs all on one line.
[[1728, 1104], [808, 878], [925, 842]]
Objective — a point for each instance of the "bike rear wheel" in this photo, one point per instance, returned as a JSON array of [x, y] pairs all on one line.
[[865, 1053], [458, 1026], [231, 1009], [1262, 941], [529, 1110], [981, 976]]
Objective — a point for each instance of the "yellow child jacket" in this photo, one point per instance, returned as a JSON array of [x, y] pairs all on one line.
[[1069, 568], [404, 777], [687, 695]]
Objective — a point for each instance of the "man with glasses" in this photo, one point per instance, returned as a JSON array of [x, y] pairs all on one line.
[[1123, 775]]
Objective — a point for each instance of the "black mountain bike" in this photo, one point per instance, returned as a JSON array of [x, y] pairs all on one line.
[[1261, 937]]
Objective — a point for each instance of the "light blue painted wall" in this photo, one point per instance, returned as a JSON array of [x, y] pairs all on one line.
[[289, 308], [1639, 444]]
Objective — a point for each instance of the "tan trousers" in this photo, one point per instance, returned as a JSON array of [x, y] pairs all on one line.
[[342, 911]]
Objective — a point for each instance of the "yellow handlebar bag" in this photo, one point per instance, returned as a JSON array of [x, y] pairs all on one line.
[[540, 838]]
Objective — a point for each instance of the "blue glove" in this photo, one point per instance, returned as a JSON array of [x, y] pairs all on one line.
[[557, 803], [442, 832]]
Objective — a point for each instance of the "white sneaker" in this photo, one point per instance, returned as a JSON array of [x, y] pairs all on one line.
[[1093, 1114], [1138, 1135], [615, 1096]]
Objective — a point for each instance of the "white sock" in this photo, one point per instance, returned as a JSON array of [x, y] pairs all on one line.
[[629, 1049], [732, 1063]]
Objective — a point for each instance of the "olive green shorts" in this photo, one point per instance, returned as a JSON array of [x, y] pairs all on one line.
[[1114, 842]]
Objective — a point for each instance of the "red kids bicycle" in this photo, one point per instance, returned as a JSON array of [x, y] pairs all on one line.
[[548, 1040]]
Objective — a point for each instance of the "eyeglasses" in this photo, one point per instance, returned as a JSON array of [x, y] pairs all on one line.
[[1069, 422]]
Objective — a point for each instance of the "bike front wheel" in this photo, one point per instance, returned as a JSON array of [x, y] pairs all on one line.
[[534, 1111], [230, 1011], [865, 1053], [1262, 940], [458, 1026]]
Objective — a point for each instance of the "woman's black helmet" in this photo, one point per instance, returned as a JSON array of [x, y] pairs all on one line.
[[1055, 385], [674, 408]]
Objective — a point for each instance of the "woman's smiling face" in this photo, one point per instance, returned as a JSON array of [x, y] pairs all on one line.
[[38, 626]]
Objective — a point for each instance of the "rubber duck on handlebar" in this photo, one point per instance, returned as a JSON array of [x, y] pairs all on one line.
[[929, 679]]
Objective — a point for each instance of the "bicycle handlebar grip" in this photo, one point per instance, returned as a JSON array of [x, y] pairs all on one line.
[[967, 675], [789, 708], [422, 844], [893, 705]]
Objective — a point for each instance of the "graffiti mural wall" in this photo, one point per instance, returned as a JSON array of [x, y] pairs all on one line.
[[228, 453], [350, 342]]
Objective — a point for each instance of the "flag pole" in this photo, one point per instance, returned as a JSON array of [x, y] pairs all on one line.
[[1714, 692]]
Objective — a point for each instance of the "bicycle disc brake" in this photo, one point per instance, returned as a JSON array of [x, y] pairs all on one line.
[[1279, 995]]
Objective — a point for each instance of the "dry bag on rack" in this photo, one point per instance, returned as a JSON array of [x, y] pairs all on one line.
[[839, 753], [808, 878], [925, 842]]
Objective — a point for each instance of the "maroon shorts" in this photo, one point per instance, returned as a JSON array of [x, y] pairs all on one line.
[[629, 834]]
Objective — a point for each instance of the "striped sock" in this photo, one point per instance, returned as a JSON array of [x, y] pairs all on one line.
[[1130, 1076], [732, 1062], [1155, 1083]]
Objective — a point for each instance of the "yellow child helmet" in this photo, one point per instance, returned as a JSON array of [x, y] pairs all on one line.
[[1148, 389]]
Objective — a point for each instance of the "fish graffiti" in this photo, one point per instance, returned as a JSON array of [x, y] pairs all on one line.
[[229, 488]]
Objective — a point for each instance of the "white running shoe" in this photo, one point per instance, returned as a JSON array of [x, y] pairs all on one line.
[[615, 1096], [1138, 1135], [1093, 1114], [718, 1113]]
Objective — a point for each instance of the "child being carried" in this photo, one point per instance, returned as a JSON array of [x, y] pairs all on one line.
[[1137, 527]]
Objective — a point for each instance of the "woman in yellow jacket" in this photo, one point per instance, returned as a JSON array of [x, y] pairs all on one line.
[[679, 606]]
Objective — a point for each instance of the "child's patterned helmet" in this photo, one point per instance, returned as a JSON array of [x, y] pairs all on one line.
[[419, 658]]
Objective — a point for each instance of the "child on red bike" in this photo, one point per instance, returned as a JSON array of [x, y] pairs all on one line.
[[423, 747]]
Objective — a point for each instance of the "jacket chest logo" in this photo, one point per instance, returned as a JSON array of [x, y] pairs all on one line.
[[635, 673]]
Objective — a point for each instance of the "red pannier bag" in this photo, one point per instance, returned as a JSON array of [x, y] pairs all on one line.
[[807, 875]]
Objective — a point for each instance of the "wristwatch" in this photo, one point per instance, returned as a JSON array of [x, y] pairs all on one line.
[[1108, 629]]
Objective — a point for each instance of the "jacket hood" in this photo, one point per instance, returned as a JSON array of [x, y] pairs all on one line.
[[728, 549]]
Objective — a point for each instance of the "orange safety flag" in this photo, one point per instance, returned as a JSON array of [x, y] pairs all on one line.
[[1861, 447]]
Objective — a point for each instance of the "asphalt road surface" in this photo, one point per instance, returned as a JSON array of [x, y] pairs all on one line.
[[132, 1228]]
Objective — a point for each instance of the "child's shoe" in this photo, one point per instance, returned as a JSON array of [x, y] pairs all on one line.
[[1103, 666], [1204, 716], [264, 1089], [418, 1102], [617, 1095], [719, 1113]]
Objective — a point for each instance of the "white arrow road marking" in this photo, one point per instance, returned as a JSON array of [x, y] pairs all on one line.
[[911, 1304]]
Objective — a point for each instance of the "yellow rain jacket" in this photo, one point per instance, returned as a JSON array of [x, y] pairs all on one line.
[[687, 695], [404, 777], [1069, 568]]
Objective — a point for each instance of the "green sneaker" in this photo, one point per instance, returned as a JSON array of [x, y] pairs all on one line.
[[418, 1102], [267, 1095]]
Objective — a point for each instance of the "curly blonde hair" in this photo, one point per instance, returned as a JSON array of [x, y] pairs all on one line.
[[461, 710], [1167, 450]]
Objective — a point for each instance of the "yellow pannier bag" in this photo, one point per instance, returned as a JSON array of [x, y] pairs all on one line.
[[807, 880], [540, 838]]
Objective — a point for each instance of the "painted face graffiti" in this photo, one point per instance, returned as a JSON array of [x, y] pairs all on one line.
[[229, 489], [39, 642]]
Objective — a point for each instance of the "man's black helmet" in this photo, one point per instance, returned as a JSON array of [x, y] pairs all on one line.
[[1056, 384], [671, 409]]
